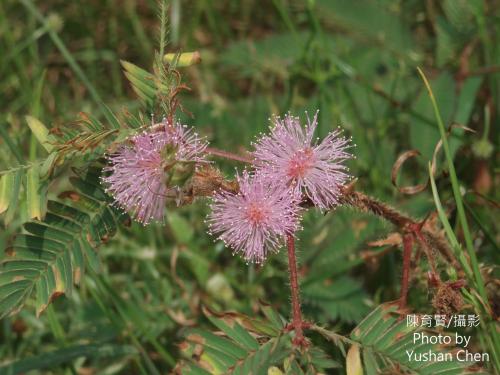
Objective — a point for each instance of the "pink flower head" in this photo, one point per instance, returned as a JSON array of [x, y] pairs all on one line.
[[256, 220], [139, 172], [290, 155]]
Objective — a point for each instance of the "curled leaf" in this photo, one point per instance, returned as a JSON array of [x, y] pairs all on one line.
[[410, 190]]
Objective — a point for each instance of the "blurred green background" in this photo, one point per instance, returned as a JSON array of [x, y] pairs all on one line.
[[355, 61]]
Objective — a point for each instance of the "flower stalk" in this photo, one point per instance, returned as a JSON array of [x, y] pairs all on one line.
[[297, 323], [410, 228], [255, 213], [228, 155]]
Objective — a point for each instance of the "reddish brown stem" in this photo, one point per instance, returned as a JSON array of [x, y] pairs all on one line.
[[428, 252], [228, 155], [297, 322], [295, 292], [405, 223], [413, 231], [405, 280]]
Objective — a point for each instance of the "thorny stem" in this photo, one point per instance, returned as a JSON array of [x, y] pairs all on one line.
[[403, 222], [405, 279], [425, 246], [412, 230], [297, 322]]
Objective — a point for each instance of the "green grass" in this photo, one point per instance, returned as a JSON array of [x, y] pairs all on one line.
[[354, 61]]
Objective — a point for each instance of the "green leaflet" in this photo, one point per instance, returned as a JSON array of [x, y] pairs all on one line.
[[383, 338], [235, 349], [51, 258], [14, 195], [86, 138], [34, 195], [41, 133], [143, 83], [6, 188]]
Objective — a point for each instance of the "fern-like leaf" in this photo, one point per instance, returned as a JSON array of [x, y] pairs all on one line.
[[51, 255], [247, 345], [143, 83], [87, 139], [384, 339]]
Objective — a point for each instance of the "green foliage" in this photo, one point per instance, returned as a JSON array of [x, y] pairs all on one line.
[[52, 255], [24, 176], [455, 28], [343, 298], [10, 187], [85, 139], [329, 293], [143, 83], [353, 61], [384, 337], [57, 357], [363, 17], [41, 133], [247, 345], [456, 109], [157, 92], [480, 302]]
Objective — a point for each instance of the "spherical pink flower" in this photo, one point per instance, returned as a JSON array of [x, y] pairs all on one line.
[[256, 220], [289, 154], [140, 168]]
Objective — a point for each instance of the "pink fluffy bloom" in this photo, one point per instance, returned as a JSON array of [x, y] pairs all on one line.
[[139, 171], [289, 154], [256, 220]]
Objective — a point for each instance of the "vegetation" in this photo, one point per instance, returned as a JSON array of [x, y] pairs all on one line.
[[85, 289]]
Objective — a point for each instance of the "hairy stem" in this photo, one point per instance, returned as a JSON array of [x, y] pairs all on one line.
[[295, 292], [428, 252], [405, 279], [365, 203], [228, 155], [410, 228], [368, 204], [404, 223]]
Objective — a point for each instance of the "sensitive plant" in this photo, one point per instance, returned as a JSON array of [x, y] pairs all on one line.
[[264, 213], [256, 220], [138, 170], [149, 166], [266, 209], [291, 155], [255, 215]]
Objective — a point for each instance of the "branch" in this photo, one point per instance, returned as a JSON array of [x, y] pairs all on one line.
[[404, 223]]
